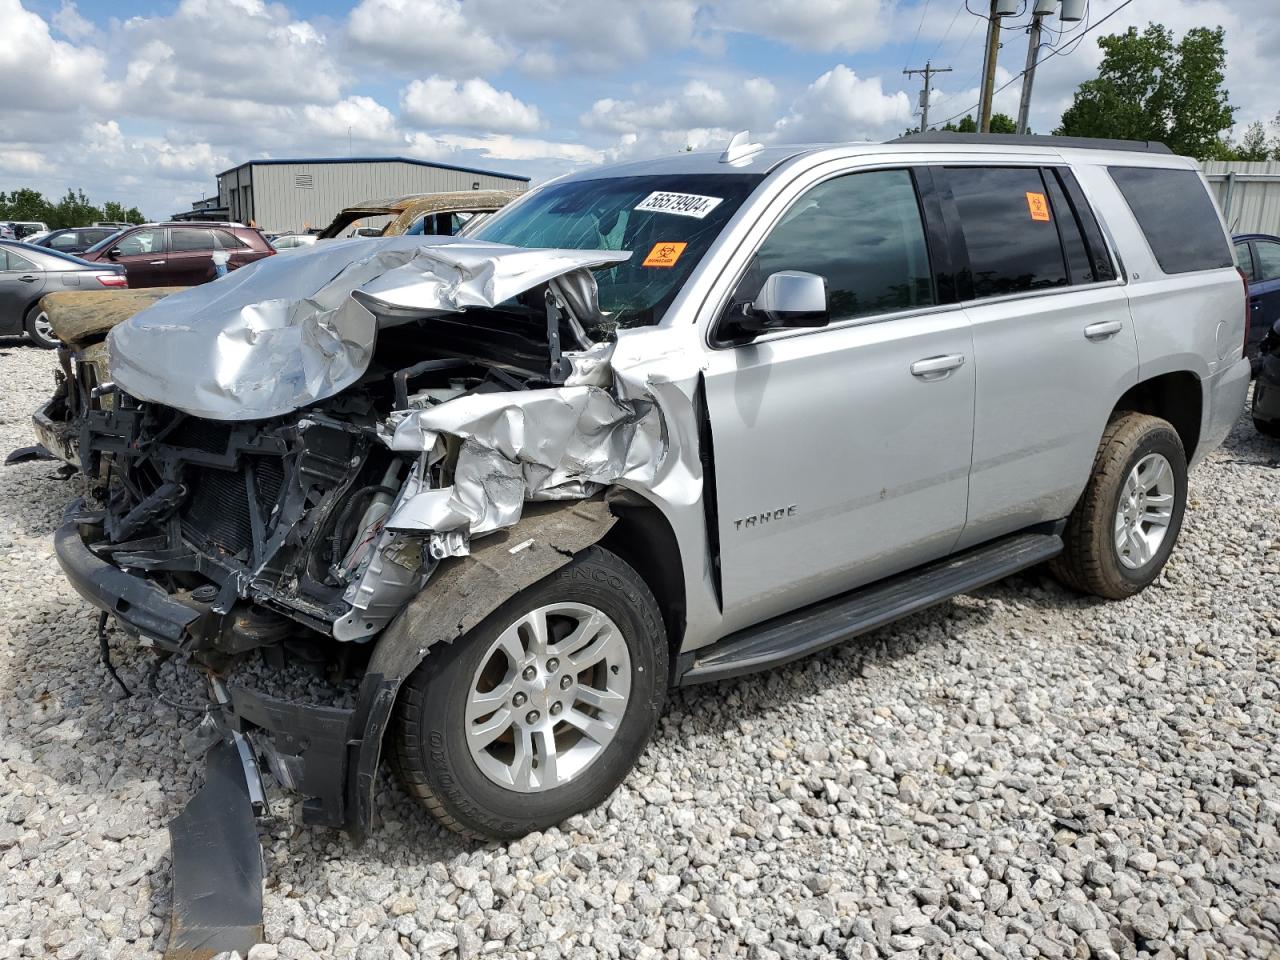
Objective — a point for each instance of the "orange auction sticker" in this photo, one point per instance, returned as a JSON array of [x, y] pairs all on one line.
[[1038, 206], [664, 254]]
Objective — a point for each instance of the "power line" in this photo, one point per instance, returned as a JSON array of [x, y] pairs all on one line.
[[923, 13], [950, 26], [1051, 54]]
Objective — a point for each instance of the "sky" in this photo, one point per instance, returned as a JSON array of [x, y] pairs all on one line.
[[145, 102]]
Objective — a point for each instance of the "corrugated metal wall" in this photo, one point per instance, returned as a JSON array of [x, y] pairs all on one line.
[[1248, 193], [300, 196]]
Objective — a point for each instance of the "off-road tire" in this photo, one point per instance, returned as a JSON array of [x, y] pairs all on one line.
[[432, 757], [33, 334], [1090, 562]]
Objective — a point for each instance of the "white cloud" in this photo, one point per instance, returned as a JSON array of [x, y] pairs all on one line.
[[440, 102], [434, 34], [39, 73], [500, 147], [361, 118], [69, 23], [699, 103], [845, 25], [840, 105], [215, 51]]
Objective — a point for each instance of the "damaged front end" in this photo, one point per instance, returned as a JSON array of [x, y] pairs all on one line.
[[280, 475]]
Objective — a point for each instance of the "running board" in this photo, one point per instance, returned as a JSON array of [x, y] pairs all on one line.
[[825, 624]]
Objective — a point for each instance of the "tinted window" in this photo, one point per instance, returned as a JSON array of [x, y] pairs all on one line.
[[863, 234], [1009, 229], [1244, 260], [1177, 217], [63, 241], [1079, 263], [1268, 254], [227, 240], [188, 240]]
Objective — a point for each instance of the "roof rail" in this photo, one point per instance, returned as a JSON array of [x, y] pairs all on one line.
[[1033, 140]]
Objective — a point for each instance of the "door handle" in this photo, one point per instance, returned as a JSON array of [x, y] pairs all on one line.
[[155, 263], [935, 368], [1103, 330], [28, 279]]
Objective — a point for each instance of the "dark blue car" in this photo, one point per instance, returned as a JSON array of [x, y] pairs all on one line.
[[1258, 256]]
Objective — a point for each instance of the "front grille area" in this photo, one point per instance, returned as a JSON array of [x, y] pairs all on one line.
[[217, 510], [208, 436]]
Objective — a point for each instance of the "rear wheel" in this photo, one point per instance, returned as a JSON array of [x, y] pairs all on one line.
[[39, 329], [541, 710], [1268, 428], [1125, 525]]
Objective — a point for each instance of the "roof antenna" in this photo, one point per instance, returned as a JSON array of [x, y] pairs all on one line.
[[740, 148]]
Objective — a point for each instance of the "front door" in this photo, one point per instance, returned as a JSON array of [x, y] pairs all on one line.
[[1052, 337], [841, 453], [143, 255]]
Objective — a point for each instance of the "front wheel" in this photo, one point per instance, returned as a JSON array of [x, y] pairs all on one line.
[[1123, 529], [540, 711], [39, 329]]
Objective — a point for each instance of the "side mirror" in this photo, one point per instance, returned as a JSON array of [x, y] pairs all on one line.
[[789, 299], [113, 253]]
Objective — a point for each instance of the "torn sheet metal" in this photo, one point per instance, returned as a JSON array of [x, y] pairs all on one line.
[[285, 332], [555, 444]]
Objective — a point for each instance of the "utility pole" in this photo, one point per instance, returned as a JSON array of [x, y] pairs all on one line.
[[989, 69], [1029, 75], [928, 71]]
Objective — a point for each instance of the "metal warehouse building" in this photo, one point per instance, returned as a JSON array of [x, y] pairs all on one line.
[[297, 195]]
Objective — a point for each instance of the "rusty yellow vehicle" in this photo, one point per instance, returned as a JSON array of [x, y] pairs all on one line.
[[81, 320], [432, 214]]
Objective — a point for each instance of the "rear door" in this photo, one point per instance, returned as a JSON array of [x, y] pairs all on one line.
[[239, 252], [1264, 291], [190, 256], [1053, 342], [144, 256]]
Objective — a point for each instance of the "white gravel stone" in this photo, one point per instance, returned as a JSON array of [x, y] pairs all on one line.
[[1018, 772]]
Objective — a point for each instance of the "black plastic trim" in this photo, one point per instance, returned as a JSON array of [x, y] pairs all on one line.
[[1032, 140], [825, 624], [136, 602]]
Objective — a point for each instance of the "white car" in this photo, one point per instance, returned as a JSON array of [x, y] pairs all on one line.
[[291, 241]]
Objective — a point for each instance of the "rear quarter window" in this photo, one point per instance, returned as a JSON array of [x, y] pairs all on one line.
[[1177, 217]]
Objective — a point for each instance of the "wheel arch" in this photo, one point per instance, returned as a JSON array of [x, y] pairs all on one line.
[[1177, 397], [459, 595]]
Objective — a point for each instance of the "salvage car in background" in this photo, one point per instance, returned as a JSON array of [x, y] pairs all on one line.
[[1266, 389], [437, 214], [28, 273], [178, 254], [1258, 257], [291, 241], [73, 239]]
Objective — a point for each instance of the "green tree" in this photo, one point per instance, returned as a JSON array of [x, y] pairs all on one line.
[[1254, 144], [74, 210], [25, 204], [1000, 123], [1150, 88], [115, 212]]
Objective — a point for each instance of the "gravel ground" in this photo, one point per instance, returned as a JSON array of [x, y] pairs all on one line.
[[1017, 773]]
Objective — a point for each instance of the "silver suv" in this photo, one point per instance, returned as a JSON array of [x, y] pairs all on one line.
[[661, 423]]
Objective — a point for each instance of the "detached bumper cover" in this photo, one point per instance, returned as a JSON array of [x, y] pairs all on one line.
[[57, 436], [142, 607]]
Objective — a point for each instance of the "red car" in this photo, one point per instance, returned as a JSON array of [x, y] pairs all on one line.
[[178, 254]]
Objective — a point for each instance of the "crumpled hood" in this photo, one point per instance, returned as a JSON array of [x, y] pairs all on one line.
[[287, 331]]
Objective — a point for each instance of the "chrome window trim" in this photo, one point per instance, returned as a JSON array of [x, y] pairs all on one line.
[[847, 166]]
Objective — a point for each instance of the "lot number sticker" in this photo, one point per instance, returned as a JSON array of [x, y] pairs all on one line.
[[1038, 206], [664, 254], [681, 204]]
